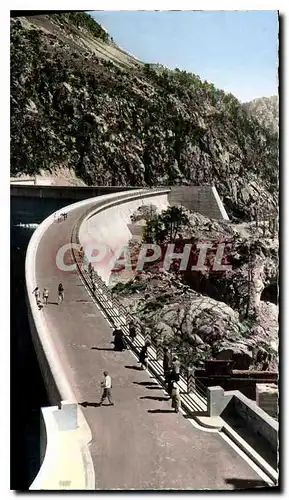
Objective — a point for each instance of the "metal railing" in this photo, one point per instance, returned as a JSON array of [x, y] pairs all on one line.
[[116, 312]]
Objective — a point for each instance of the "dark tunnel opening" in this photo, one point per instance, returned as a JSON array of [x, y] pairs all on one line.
[[270, 293]]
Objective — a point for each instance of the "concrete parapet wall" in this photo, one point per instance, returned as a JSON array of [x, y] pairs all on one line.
[[64, 461], [217, 400], [256, 419]]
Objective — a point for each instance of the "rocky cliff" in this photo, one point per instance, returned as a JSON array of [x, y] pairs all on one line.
[[229, 314], [266, 111], [80, 103]]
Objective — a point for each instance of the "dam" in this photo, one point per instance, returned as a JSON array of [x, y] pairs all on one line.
[[72, 343]]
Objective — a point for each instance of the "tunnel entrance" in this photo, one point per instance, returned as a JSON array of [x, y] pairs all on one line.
[[270, 293]]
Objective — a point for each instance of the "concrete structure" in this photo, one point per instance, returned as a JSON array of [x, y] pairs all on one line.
[[109, 224], [243, 418], [267, 398], [202, 199], [65, 458], [37, 180], [258, 420], [138, 444], [245, 381]]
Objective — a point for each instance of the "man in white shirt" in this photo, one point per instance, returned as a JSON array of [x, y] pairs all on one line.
[[106, 384]]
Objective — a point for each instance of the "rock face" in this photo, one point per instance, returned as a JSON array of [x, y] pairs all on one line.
[[266, 110], [204, 313], [78, 102]]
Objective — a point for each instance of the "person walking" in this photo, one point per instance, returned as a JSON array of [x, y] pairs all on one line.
[[36, 292], [167, 363], [106, 384], [143, 355], [119, 343], [132, 330], [45, 296], [39, 303], [176, 365], [170, 382], [176, 400], [60, 293]]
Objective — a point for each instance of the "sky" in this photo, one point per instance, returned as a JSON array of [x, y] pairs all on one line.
[[235, 50]]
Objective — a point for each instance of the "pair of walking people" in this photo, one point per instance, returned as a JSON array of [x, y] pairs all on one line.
[[45, 295]]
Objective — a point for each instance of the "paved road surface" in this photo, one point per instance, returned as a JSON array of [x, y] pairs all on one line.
[[139, 443]]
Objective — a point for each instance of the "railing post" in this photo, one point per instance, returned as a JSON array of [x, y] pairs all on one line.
[[147, 336], [159, 352], [191, 383]]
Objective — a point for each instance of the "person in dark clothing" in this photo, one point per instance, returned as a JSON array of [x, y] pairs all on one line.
[[143, 355], [176, 365], [117, 331], [119, 343], [36, 292], [170, 383], [132, 330], [60, 293], [167, 361]]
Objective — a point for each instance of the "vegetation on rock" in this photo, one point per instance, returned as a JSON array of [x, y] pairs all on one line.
[[142, 125], [205, 313], [266, 111]]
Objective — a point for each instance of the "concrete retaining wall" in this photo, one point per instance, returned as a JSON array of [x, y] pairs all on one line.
[[202, 199], [256, 419], [111, 227]]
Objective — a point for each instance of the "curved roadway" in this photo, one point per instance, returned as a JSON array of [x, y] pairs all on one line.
[[139, 443]]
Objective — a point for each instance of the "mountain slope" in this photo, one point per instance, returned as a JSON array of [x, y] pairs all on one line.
[[266, 111], [80, 102]]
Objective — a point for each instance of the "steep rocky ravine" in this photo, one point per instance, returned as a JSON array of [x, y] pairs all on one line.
[[80, 103], [224, 314]]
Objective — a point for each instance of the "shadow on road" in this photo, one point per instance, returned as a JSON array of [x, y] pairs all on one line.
[[243, 484], [138, 368], [146, 383], [86, 403], [103, 348], [53, 303], [158, 410]]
